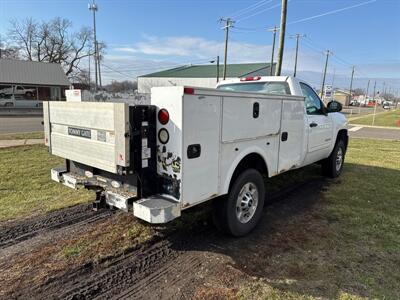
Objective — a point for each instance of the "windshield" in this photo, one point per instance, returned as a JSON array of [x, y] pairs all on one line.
[[281, 88]]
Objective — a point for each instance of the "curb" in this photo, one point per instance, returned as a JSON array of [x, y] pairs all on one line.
[[377, 127], [17, 143]]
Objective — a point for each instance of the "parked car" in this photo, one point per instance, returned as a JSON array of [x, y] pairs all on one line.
[[18, 90], [386, 105]]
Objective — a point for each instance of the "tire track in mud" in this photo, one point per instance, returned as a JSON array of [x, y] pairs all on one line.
[[110, 278], [141, 272], [19, 231]]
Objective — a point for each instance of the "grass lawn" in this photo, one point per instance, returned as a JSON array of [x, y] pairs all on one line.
[[25, 185], [345, 246], [353, 247], [22, 136], [390, 119]]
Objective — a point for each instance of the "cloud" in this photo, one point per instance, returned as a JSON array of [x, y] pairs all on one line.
[[157, 53]]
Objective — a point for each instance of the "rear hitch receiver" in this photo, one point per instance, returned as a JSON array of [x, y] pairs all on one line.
[[100, 201]]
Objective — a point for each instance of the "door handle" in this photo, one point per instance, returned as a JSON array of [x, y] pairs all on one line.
[[313, 124]]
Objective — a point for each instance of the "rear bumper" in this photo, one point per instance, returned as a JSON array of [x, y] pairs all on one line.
[[114, 197], [157, 209]]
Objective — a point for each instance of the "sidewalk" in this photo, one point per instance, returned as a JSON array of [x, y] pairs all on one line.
[[374, 126], [374, 132], [14, 143]]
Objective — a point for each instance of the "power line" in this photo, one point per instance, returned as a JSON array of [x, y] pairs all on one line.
[[259, 12], [250, 8], [331, 12]]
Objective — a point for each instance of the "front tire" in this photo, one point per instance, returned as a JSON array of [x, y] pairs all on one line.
[[333, 165], [241, 210]]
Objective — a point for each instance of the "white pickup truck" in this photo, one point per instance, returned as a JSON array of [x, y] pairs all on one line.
[[193, 145]]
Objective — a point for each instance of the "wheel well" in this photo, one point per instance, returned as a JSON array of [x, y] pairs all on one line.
[[342, 135], [250, 161]]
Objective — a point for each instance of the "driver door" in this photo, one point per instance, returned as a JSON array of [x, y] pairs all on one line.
[[319, 125]]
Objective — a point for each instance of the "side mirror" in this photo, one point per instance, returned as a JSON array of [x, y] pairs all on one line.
[[334, 106]]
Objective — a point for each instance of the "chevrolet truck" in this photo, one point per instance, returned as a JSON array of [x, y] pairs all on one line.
[[193, 144]]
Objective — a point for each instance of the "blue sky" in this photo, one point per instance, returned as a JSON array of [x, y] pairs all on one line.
[[145, 35]]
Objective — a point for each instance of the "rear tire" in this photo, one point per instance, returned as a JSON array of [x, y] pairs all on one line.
[[333, 165], [240, 211]]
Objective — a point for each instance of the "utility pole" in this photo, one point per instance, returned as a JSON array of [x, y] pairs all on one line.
[[89, 71], [274, 30], [93, 7], [383, 88], [375, 105], [217, 68], [351, 82], [328, 52], [228, 24], [282, 32], [297, 37], [366, 94], [98, 64]]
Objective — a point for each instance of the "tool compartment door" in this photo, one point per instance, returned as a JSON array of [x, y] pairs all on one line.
[[90, 133], [201, 141]]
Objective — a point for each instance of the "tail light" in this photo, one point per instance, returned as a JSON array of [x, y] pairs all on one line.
[[250, 78], [163, 116], [163, 136]]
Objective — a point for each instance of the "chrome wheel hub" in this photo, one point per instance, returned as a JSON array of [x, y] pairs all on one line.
[[247, 202], [339, 159]]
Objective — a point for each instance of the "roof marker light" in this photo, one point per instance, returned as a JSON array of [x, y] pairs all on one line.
[[188, 90], [250, 78]]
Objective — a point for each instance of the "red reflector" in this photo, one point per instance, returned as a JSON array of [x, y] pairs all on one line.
[[163, 116], [251, 78], [189, 91]]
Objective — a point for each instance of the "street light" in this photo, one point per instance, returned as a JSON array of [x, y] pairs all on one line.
[[93, 7]]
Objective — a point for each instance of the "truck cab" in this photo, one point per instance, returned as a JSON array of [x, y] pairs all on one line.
[[192, 145]]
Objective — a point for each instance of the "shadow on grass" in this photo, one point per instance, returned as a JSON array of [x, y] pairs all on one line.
[[307, 243]]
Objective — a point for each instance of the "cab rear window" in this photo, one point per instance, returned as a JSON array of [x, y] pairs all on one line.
[[280, 88]]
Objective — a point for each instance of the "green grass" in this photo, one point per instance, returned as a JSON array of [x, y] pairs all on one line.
[[351, 237], [22, 136], [25, 185], [366, 204], [388, 119]]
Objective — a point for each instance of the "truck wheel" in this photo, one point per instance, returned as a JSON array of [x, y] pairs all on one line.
[[240, 211], [333, 165]]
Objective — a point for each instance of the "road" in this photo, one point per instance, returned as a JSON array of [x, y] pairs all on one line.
[[20, 124], [374, 133], [355, 111], [31, 124]]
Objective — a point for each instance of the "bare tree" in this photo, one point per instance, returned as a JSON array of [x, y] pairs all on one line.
[[358, 92], [121, 86], [7, 51], [52, 41]]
